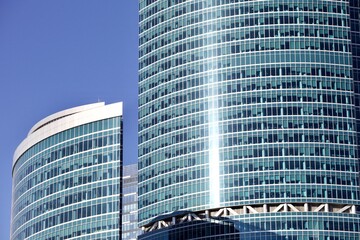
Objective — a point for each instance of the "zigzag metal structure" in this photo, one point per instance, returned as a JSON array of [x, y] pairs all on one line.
[[247, 209]]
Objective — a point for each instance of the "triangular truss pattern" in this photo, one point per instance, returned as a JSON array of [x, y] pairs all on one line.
[[247, 209]]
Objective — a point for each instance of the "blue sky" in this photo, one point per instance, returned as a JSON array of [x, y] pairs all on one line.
[[58, 54]]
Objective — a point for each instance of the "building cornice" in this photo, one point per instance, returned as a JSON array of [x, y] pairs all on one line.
[[67, 119]]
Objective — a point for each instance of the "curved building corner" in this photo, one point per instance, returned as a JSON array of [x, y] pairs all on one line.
[[67, 176]]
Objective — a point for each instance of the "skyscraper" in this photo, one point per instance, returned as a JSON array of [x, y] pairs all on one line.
[[130, 229], [247, 116], [67, 176]]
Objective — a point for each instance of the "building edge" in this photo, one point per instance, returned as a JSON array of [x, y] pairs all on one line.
[[66, 119]]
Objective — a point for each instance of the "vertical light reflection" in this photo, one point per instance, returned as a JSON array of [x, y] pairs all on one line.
[[214, 150], [213, 116]]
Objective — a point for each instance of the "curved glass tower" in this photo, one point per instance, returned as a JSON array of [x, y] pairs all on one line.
[[66, 176], [247, 112]]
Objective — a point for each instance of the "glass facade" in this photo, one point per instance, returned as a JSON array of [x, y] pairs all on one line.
[[251, 105], [130, 229], [211, 228], [280, 226], [67, 184], [355, 44]]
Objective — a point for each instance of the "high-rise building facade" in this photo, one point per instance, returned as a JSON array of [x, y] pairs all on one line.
[[130, 229], [67, 176], [355, 49], [247, 113]]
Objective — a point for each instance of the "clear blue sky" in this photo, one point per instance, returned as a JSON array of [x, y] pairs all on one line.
[[58, 54]]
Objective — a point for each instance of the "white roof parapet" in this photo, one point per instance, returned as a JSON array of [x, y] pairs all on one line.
[[67, 119], [64, 113]]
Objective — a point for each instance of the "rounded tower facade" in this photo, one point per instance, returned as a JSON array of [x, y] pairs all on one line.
[[67, 176], [246, 111]]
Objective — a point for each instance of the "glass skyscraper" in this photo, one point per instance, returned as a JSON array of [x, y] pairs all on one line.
[[67, 176], [130, 229], [247, 118]]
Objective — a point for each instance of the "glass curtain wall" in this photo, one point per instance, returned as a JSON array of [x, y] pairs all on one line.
[[250, 105], [68, 185]]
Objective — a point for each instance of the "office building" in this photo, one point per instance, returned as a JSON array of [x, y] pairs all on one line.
[[67, 176], [130, 229], [247, 118]]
